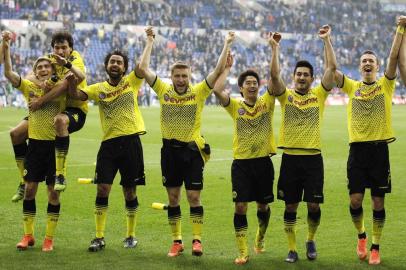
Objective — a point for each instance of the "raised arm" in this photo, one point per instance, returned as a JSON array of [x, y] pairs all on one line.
[[402, 51], [219, 88], [276, 85], [213, 76], [75, 70], [144, 70], [328, 80], [1, 53], [72, 88], [12, 76], [390, 71]]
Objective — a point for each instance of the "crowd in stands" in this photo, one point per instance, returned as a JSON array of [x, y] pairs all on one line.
[[356, 25]]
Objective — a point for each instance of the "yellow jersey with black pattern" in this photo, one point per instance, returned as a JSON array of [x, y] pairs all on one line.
[[253, 127], [181, 114], [300, 131], [118, 106], [41, 121], [369, 110], [76, 59]]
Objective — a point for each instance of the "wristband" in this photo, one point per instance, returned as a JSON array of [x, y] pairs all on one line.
[[400, 29], [68, 65]]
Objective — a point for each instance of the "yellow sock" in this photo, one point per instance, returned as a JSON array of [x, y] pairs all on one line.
[[20, 166], [263, 221], [100, 214], [196, 219], [377, 226], [19, 153], [357, 216], [241, 228], [175, 222], [61, 151], [313, 222], [29, 210], [131, 207], [290, 229], [52, 220]]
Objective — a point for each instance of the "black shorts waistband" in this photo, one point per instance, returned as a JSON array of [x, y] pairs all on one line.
[[179, 144]]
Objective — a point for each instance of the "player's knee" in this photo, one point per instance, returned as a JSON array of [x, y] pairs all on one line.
[[61, 121], [313, 207], [194, 199], [291, 208], [129, 194], [17, 135], [241, 208], [378, 203], [103, 190], [262, 207], [356, 202]]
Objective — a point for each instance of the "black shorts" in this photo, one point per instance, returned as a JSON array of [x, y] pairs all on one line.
[[252, 180], [181, 162], [122, 154], [301, 174], [39, 162], [368, 167], [76, 117]]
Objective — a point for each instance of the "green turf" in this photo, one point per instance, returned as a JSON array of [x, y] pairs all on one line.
[[336, 236]]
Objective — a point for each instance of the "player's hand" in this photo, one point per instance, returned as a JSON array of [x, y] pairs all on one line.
[[71, 78], [324, 31], [150, 33], [6, 35], [230, 38], [59, 59], [401, 20], [274, 38], [230, 60], [34, 104]]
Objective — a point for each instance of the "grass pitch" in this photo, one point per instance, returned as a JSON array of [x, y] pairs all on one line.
[[336, 237]]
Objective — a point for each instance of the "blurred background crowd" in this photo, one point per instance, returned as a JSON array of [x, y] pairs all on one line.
[[193, 31]]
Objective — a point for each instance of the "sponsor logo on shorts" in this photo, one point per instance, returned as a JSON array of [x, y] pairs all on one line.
[[163, 180], [76, 117], [281, 194], [234, 194], [25, 172], [241, 111]]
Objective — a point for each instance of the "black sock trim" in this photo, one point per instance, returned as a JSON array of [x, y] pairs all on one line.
[[62, 143], [315, 216], [198, 210], [53, 208], [289, 216], [356, 212], [240, 221], [102, 201], [132, 204], [174, 211], [29, 206]]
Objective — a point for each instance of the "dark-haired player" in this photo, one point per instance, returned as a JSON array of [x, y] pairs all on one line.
[[302, 173]]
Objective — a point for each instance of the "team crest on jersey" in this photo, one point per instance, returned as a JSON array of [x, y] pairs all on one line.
[[241, 111], [166, 97], [234, 194], [102, 95], [358, 93], [290, 98]]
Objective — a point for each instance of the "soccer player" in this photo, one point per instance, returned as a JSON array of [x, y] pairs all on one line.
[[369, 114], [301, 172], [72, 119], [252, 171], [184, 151], [40, 158], [402, 53], [121, 148]]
